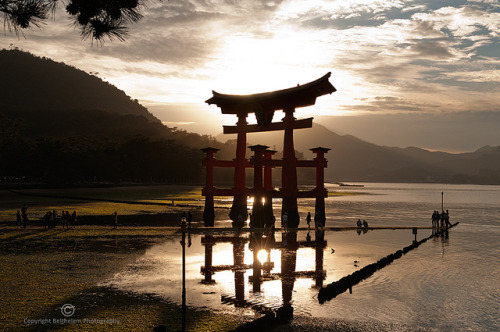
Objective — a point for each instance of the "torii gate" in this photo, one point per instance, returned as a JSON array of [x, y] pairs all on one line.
[[264, 105]]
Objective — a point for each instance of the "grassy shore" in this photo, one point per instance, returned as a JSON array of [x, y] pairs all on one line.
[[41, 270], [127, 201]]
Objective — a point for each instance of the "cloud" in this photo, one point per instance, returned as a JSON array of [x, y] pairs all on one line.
[[385, 56]]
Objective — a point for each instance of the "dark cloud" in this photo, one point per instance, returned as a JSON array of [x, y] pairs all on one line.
[[435, 49], [387, 104], [187, 33]]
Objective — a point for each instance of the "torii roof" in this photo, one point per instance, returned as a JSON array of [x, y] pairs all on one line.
[[299, 96]]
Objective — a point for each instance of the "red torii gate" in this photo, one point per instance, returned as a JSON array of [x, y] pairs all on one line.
[[264, 105]]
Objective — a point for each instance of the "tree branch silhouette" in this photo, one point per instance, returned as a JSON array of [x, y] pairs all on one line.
[[96, 19]]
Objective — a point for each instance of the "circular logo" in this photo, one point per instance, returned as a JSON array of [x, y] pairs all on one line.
[[68, 310]]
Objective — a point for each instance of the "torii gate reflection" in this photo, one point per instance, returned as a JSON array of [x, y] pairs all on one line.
[[289, 246]]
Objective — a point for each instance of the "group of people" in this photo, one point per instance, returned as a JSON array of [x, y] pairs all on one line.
[[361, 224], [441, 219], [22, 217], [318, 221], [51, 219]]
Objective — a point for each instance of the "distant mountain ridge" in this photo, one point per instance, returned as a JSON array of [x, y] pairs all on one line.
[[352, 159], [29, 82], [56, 100]]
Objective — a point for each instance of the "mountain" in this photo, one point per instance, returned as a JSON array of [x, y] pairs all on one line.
[[352, 159], [44, 98], [62, 126], [29, 82]]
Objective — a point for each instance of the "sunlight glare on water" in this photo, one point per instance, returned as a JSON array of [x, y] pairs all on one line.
[[448, 283]]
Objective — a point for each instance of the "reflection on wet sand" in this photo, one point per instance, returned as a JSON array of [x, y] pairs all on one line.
[[258, 242]]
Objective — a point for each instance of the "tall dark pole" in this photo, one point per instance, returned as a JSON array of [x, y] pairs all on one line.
[[442, 201], [183, 243]]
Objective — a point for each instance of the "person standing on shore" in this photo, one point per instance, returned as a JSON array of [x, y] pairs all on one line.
[[284, 220], [18, 219], [24, 215], [308, 219]]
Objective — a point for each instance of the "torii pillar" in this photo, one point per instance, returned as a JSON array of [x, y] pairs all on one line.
[[289, 171], [268, 187], [239, 207], [258, 188], [208, 191], [321, 192]]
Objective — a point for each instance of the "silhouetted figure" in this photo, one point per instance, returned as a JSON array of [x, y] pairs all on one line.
[[73, 219], [365, 224], [18, 219], [359, 223], [54, 218], [434, 218], [308, 219], [68, 218], [115, 220], [24, 215], [442, 218], [47, 219], [447, 219], [284, 220]]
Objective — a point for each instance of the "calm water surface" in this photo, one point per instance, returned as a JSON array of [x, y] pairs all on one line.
[[448, 283]]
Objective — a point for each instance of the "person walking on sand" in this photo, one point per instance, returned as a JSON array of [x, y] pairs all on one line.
[[115, 220], [73, 219], [359, 223], [308, 219], [365, 224]]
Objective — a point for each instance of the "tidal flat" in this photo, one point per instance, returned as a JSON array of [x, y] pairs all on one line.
[[41, 270]]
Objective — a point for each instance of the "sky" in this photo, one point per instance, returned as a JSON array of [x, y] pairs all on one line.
[[407, 73]]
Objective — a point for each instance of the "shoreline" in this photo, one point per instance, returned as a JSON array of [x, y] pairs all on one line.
[[41, 270]]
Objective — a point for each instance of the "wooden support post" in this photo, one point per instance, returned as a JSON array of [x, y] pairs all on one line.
[[238, 211], [258, 188], [320, 189], [209, 211], [268, 187], [289, 171]]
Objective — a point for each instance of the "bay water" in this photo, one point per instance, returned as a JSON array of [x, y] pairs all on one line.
[[449, 283]]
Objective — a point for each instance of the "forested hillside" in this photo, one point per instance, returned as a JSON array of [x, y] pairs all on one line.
[[60, 125]]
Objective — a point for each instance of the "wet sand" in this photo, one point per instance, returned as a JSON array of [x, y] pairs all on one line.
[[42, 270]]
